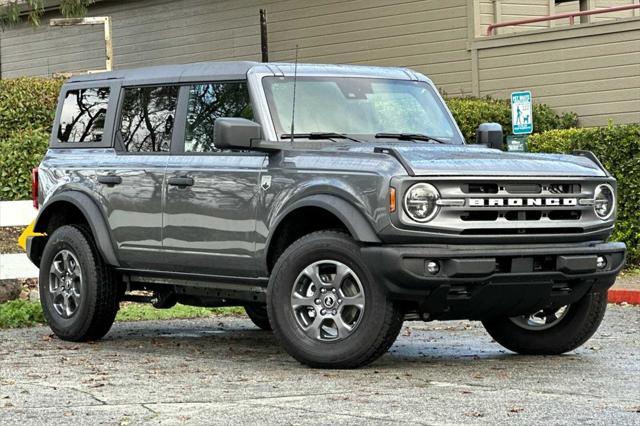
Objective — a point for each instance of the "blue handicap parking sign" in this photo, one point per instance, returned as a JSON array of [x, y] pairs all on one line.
[[521, 113]]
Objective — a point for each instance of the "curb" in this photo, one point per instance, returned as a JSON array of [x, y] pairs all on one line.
[[632, 297]]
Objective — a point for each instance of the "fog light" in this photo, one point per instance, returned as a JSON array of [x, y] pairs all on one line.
[[433, 267], [601, 262]]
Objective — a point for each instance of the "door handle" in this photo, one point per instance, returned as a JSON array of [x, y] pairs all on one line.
[[180, 181], [109, 179]]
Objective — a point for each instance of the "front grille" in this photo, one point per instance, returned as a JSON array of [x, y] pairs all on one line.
[[504, 207]]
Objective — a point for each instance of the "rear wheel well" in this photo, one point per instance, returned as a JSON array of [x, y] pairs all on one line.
[[56, 215], [297, 224]]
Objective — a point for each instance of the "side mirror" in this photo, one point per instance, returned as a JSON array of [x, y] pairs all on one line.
[[491, 135], [231, 132]]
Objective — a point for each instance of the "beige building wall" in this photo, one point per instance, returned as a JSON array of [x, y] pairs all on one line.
[[429, 35], [593, 70], [492, 11]]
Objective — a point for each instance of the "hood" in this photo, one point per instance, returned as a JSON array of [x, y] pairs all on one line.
[[475, 160]]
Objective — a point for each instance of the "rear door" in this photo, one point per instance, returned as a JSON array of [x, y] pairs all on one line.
[[209, 216], [132, 181]]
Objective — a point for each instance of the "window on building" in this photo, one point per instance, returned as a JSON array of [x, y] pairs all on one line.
[[83, 115], [147, 118], [566, 6], [207, 102]]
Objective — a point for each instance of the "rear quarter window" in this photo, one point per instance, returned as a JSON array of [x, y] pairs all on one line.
[[83, 115]]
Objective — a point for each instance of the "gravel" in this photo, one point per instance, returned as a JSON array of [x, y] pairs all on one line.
[[9, 239], [225, 371]]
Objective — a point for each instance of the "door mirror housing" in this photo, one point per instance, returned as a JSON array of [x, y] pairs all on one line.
[[233, 132], [491, 135]]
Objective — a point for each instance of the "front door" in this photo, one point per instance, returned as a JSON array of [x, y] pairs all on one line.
[[209, 224]]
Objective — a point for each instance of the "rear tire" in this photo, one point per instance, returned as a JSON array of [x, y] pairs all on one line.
[[325, 307], [78, 291], [576, 325], [259, 316]]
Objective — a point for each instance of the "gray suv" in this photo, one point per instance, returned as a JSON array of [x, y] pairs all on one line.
[[333, 202]]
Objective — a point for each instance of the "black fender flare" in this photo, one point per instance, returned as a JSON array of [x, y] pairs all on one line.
[[91, 213], [356, 223]]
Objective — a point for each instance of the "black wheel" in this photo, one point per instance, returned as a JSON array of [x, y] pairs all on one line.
[[550, 331], [78, 292], [325, 307], [258, 315]]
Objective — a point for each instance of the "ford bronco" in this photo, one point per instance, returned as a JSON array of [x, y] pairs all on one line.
[[332, 202]]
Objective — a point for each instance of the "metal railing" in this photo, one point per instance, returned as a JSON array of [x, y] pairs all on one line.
[[570, 15]]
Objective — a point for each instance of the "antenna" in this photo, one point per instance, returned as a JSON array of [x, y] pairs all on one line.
[[293, 106]]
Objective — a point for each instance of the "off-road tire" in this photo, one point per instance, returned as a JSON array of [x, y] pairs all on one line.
[[380, 323], [259, 316], [100, 293], [580, 323]]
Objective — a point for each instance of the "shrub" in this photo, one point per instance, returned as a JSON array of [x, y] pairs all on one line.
[[19, 153], [471, 112], [20, 313], [618, 148], [27, 103]]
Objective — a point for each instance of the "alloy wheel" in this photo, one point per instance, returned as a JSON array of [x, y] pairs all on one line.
[[328, 300], [65, 283]]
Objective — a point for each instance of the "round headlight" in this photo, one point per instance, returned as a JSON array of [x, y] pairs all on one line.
[[605, 201], [420, 202]]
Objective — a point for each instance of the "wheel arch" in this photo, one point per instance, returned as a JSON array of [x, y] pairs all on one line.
[[72, 207], [338, 212]]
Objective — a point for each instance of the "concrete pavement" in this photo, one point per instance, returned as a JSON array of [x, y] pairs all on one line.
[[224, 371]]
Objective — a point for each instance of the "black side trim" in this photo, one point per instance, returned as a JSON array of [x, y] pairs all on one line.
[[92, 214], [355, 222], [591, 156], [395, 154]]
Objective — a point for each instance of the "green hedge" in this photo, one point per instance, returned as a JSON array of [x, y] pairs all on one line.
[[19, 153], [618, 148], [471, 112], [27, 110], [27, 103]]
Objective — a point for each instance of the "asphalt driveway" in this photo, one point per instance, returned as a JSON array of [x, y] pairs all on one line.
[[225, 371]]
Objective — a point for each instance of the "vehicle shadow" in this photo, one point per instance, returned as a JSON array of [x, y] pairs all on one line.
[[237, 340]]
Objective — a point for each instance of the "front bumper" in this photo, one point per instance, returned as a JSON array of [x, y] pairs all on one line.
[[482, 281]]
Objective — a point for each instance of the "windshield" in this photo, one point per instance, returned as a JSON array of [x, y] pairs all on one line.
[[358, 106]]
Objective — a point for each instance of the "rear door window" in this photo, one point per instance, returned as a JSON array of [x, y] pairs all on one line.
[[207, 102], [147, 118], [83, 115]]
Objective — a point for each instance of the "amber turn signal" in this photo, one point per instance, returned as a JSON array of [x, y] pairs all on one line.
[[392, 200]]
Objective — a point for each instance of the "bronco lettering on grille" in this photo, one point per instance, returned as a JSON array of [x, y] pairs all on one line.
[[522, 202]]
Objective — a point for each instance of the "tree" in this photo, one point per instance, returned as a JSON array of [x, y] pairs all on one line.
[[10, 13]]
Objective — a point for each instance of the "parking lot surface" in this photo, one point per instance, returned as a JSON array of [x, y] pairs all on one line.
[[225, 371]]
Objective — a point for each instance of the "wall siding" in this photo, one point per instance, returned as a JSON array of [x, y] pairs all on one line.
[[594, 71], [522, 9], [428, 35], [595, 74]]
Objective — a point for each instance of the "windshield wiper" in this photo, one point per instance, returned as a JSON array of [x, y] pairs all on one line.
[[319, 135], [408, 137]]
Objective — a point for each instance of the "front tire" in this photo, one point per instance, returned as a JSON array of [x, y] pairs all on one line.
[[552, 331], [325, 307], [78, 291]]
